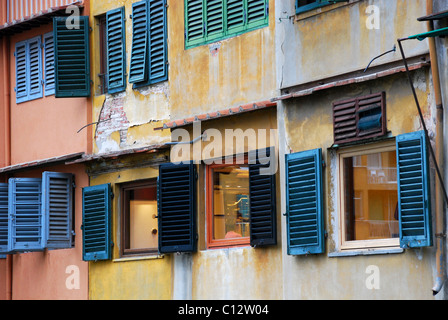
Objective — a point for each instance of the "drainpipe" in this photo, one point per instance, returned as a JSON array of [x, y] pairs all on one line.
[[439, 216]]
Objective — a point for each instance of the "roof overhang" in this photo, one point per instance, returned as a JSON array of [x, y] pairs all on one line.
[[41, 163]]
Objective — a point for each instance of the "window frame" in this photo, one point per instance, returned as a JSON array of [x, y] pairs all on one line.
[[392, 243], [221, 243], [124, 214]]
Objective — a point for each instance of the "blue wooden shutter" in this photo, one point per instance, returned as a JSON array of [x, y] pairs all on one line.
[[304, 203], [413, 190], [21, 72], [177, 208], [138, 69], [71, 58], [35, 78], [96, 222], [158, 57], [58, 207], [116, 50], [3, 218], [194, 22], [262, 199], [49, 64], [26, 221]]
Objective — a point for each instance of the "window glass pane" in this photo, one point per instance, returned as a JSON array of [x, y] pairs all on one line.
[[371, 197], [231, 202]]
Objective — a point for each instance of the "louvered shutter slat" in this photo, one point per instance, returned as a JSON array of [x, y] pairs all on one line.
[[214, 19], [236, 17], [139, 55], [4, 218], [35, 68], [158, 70], [305, 226], [57, 206], [413, 190], [71, 58], [49, 64], [21, 72], [177, 208], [262, 198], [96, 223], [257, 14], [26, 221], [194, 21], [116, 50]]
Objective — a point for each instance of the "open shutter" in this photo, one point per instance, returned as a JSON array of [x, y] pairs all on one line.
[[304, 203], [177, 208], [57, 206], [49, 64], [194, 22], [3, 218], [71, 60], [21, 72], [262, 199], [116, 50], [35, 68], [26, 221], [96, 222], [413, 190], [158, 58], [139, 53]]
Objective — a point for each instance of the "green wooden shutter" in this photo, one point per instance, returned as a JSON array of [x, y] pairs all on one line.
[[214, 19], [177, 208], [21, 72], [257, 13], [71, 58], [413, 190], [3, 218], [194, 22], [26, 221], [158, 57], [236, 15], [262, 199], [304, 203], [49, 64], [96, 222], [57, 205], [138, 70], [116, 50]]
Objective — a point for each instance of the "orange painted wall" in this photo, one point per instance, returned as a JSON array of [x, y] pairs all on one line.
[[43, 275], [45, 127]]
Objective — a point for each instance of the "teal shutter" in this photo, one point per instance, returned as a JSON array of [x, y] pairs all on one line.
[[262, 198], [177, 208], [3, 218], [257, 13], [116, 50], [26, 221], [214, 23], [49, 64], [236, 15], [158, 57], [57, 206], [96, 223], [71, 58], [413, 190], [35, 78], [21, 72], [304, 203], [138, 70], [194, 22]]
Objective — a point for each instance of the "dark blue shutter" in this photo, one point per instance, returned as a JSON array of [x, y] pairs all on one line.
[[139, 54], [116, 50], [158, 68], [304, 203], [26, 221], [35, 78], [57, 206], [3, 218], [21, 72], [96, 223], [49, 64], [71, 58], [177, 208], [262, 199], [413, 190]]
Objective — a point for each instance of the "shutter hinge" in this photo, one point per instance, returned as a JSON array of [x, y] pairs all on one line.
[[323, 164]]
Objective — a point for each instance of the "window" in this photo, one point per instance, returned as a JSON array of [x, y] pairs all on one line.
[[360, 118], [228, 205], [306, 5], [369, 198], [210, 21], [39, 213], [139, 227], [28, 70]]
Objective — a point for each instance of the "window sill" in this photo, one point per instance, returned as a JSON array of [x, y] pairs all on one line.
[[138, 258], [365, 252], [316, 9]]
